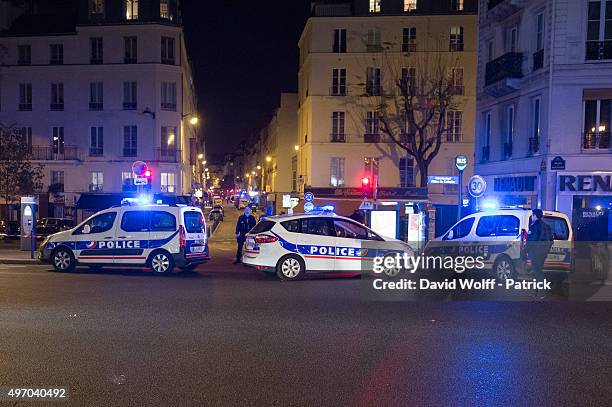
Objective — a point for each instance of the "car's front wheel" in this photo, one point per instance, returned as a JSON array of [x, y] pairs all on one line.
[[503, 269], [161, 262], [290, 268], [63, 260]]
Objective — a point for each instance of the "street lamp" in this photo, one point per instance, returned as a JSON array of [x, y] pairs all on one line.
[[268, 159], [296, 148], [200, 156], [259, 167], [194, 119]]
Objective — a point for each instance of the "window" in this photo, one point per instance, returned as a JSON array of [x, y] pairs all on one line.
[[24, 55], [135, 221], [96, 7], [194, 222], [130, 45], [511, 39], [292, 226], [507, 153], [96, 180], [486, 136], [57, 178], [409, 39], [98, 224], [339, 82], [96, 144], [454, 123], [340, 40], [168, 182], [96, 96], [130, 141], [25, 96], [162, 221], [337, 172], [406, 169], [97, 50], [263, 226], [168, 96], [410, 6], [56, 54], [294, 173], [167, 50], [131, 9], [373, 42], [490, 51], [460, 230], [127, 181], [375, 6], [558, 226], [534, 138], [317, 226], [57, 140], [372, 123], [164, 10], [130, 96], [498, 225], [371, 167], [456, 81], [597, 116], [456, 39], [168, 139], [373, 81], [539, 32], [57, 96], [487, 226], [26, 136], [409, 78], [350, 230], [457, 5], [337, 133]]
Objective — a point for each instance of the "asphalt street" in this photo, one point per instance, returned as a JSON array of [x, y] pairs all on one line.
[[230, 335]]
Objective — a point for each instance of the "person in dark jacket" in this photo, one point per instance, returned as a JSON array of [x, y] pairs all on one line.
[[539, 242], [245, 223]]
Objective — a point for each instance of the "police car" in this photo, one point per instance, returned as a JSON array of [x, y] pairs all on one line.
[[499, 236], [291, 245], [158, 236]]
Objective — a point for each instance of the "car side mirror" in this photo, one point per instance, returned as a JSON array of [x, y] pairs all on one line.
[[86, 229]]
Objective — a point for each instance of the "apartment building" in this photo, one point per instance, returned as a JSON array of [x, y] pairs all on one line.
[[351, 54], [94, 86], [545, 103]]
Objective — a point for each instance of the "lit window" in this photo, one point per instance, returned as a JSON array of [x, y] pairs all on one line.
[[375, 6], [96, 181], [96, 7], [456, 39], [337, 172], [164, 10], [410, 5], [131, 9], [168, 182], [457, 5], [454, 121]]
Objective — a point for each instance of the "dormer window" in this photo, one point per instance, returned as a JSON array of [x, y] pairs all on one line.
[[96, 7], [164, 10], [131, 9], [375, 6], [410, 6]]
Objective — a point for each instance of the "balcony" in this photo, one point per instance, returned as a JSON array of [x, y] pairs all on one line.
[[374, 48], [129, 152], [25, 107], [597, 141], [96, 188], [96, 151], [130, 60], [64, 153], [168, 61], [538, 60], [501, 9], [96, 106], [129, 105], [337, 138], [56, 107], [168, 106], [502, 74], [96, 61], [337, 91], [56, 188], [371, 138], [167, 155], [598, 50], [454, 137]]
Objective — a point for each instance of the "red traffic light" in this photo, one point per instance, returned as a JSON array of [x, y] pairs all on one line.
[[147, 173], [365, 181]]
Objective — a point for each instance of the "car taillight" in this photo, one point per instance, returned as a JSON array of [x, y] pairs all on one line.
[[266, 239], [523, 241], [182, 236]]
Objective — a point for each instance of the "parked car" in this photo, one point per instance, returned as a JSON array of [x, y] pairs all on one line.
[[9, 229], [49, 226], [216, 213]]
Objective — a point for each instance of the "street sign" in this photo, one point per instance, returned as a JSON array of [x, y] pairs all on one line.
[[442, 180], [466, 202], [477, 186], [139, 168], [461, 162], [308, 207], [366, 206], [557, 164], [308, 197], [140, 181]]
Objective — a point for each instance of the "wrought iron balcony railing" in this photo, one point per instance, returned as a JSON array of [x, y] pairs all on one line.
[[596, 141], [48, 153], [167, 155], [509, 65], [598, 50]]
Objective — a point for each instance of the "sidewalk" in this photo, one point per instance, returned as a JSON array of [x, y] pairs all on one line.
[[10, 254]]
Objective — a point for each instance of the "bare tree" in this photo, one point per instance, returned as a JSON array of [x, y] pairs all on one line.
[[412, 111]]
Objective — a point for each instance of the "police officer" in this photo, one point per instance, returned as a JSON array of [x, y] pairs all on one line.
[[539, 242], [245, 223]]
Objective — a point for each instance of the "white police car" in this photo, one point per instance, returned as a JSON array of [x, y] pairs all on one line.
[[499, 236], [158, 236], [291, 245]]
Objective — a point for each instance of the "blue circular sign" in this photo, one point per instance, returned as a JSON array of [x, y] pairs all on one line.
[[477, 186], [309, 197], [308, 207]]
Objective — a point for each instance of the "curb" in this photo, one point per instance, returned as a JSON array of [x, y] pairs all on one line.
[[20, 261]]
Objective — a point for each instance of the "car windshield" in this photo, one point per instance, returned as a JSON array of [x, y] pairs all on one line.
[[194, 222]]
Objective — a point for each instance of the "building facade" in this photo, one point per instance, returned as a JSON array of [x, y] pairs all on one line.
[[351, 54], [108, 85], [545, 103]]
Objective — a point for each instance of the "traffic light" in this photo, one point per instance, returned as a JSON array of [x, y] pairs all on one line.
[[366, 187]]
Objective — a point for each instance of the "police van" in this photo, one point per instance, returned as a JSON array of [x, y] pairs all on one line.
[[157, 236], [292, 245], [499, 236]]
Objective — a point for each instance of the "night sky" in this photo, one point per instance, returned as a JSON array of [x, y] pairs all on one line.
[[244, 54]]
